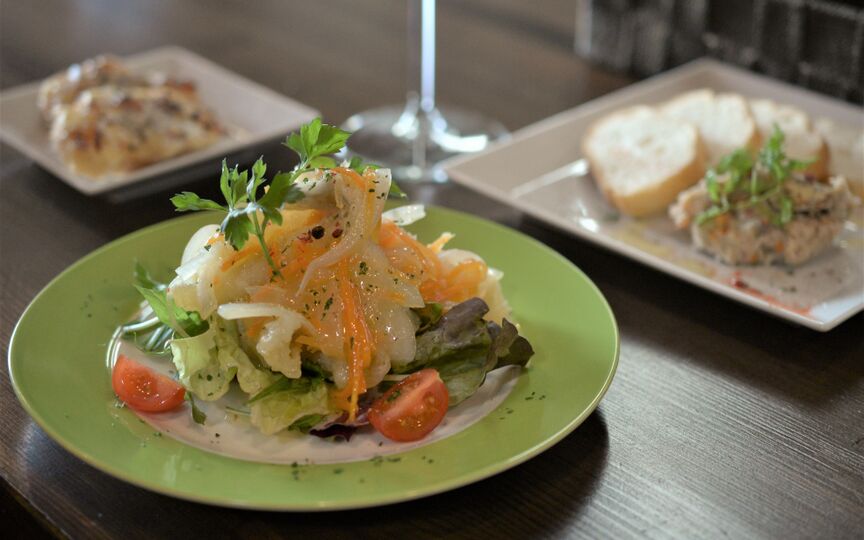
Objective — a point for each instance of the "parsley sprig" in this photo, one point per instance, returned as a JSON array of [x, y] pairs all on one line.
[[240, 189], [753, 184], [247, 213]]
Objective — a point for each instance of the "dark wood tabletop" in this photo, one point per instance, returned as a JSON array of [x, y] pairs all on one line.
[[721, 421]]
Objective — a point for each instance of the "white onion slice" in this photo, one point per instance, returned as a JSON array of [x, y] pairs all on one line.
[[353, 198], [243, 310], [197, 242], [405, 215]]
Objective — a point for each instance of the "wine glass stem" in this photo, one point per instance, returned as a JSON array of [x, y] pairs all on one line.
[[421, 47]]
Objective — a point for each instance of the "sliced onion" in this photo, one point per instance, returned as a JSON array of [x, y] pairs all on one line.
[[188, 271], [405, 215], [243, 310], [353, 198], [197, 242]]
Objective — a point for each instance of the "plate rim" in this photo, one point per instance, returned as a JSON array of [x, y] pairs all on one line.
[[426, 491], [97, 186], [631, 92]]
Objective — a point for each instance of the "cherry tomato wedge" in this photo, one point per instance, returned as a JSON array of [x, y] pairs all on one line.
[[143, 389], [411, 409]]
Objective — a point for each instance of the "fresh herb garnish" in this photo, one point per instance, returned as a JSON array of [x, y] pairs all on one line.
[[247, 213], [153, 334], [240, 189], [142, 278], [186, 323], [752, 184]]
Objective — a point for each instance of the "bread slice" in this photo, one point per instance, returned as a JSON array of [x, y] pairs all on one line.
[[846, 151], [642, 159], [802, 142], [723, 120]]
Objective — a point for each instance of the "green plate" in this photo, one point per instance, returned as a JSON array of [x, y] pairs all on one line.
[[58, 368]]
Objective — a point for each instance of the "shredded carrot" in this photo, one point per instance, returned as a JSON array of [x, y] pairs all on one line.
[[309, 341], [253, 329], [357, 338], [351, 175], [464, 279], [302, 256], [250, 249], [392, 235], [440, 242]]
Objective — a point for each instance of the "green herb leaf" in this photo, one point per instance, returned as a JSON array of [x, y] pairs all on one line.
[[763, 192], [396, 191], [237, 227], [316, 139], [321, 162], [187, 201], [785, 210], [713, 186], [360, 166], [314, 144], [182, 321], [142, 278], [710, 214], [282, 190]]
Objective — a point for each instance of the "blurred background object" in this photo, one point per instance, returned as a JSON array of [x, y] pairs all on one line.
[[818, 44], [413, 138]]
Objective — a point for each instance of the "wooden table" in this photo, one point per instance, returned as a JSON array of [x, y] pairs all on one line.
[[721, 421]]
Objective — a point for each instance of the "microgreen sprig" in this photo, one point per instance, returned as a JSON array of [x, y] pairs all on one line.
[[753, 184]]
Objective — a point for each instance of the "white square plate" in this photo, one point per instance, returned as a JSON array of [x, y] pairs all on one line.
[[540, 171], [251, 114]]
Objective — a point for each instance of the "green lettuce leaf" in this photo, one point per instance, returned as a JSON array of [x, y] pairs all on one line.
[[197, 362], [306, 423], [428, 315], [287, 401], [252, 379], [207, 363], [463, 347]]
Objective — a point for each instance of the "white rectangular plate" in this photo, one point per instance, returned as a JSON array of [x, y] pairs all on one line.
[[251, 113], [540, 171]]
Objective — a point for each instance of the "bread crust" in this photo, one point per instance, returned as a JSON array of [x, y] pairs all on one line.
[[656, 197]]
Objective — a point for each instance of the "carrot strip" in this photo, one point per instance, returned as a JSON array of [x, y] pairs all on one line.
[[440, 242], [357, 344]]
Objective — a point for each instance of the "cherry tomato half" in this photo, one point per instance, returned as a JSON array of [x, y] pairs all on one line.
[[411, 409], [143, 389]]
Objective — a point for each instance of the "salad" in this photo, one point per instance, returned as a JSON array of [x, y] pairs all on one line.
[[319, 306]]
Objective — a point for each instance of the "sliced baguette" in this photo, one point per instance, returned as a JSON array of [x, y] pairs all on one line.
[[723, 120], [846, 150], [801, 142], [642, 159]]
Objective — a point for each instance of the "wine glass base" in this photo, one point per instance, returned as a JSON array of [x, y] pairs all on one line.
[[413, 146]]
